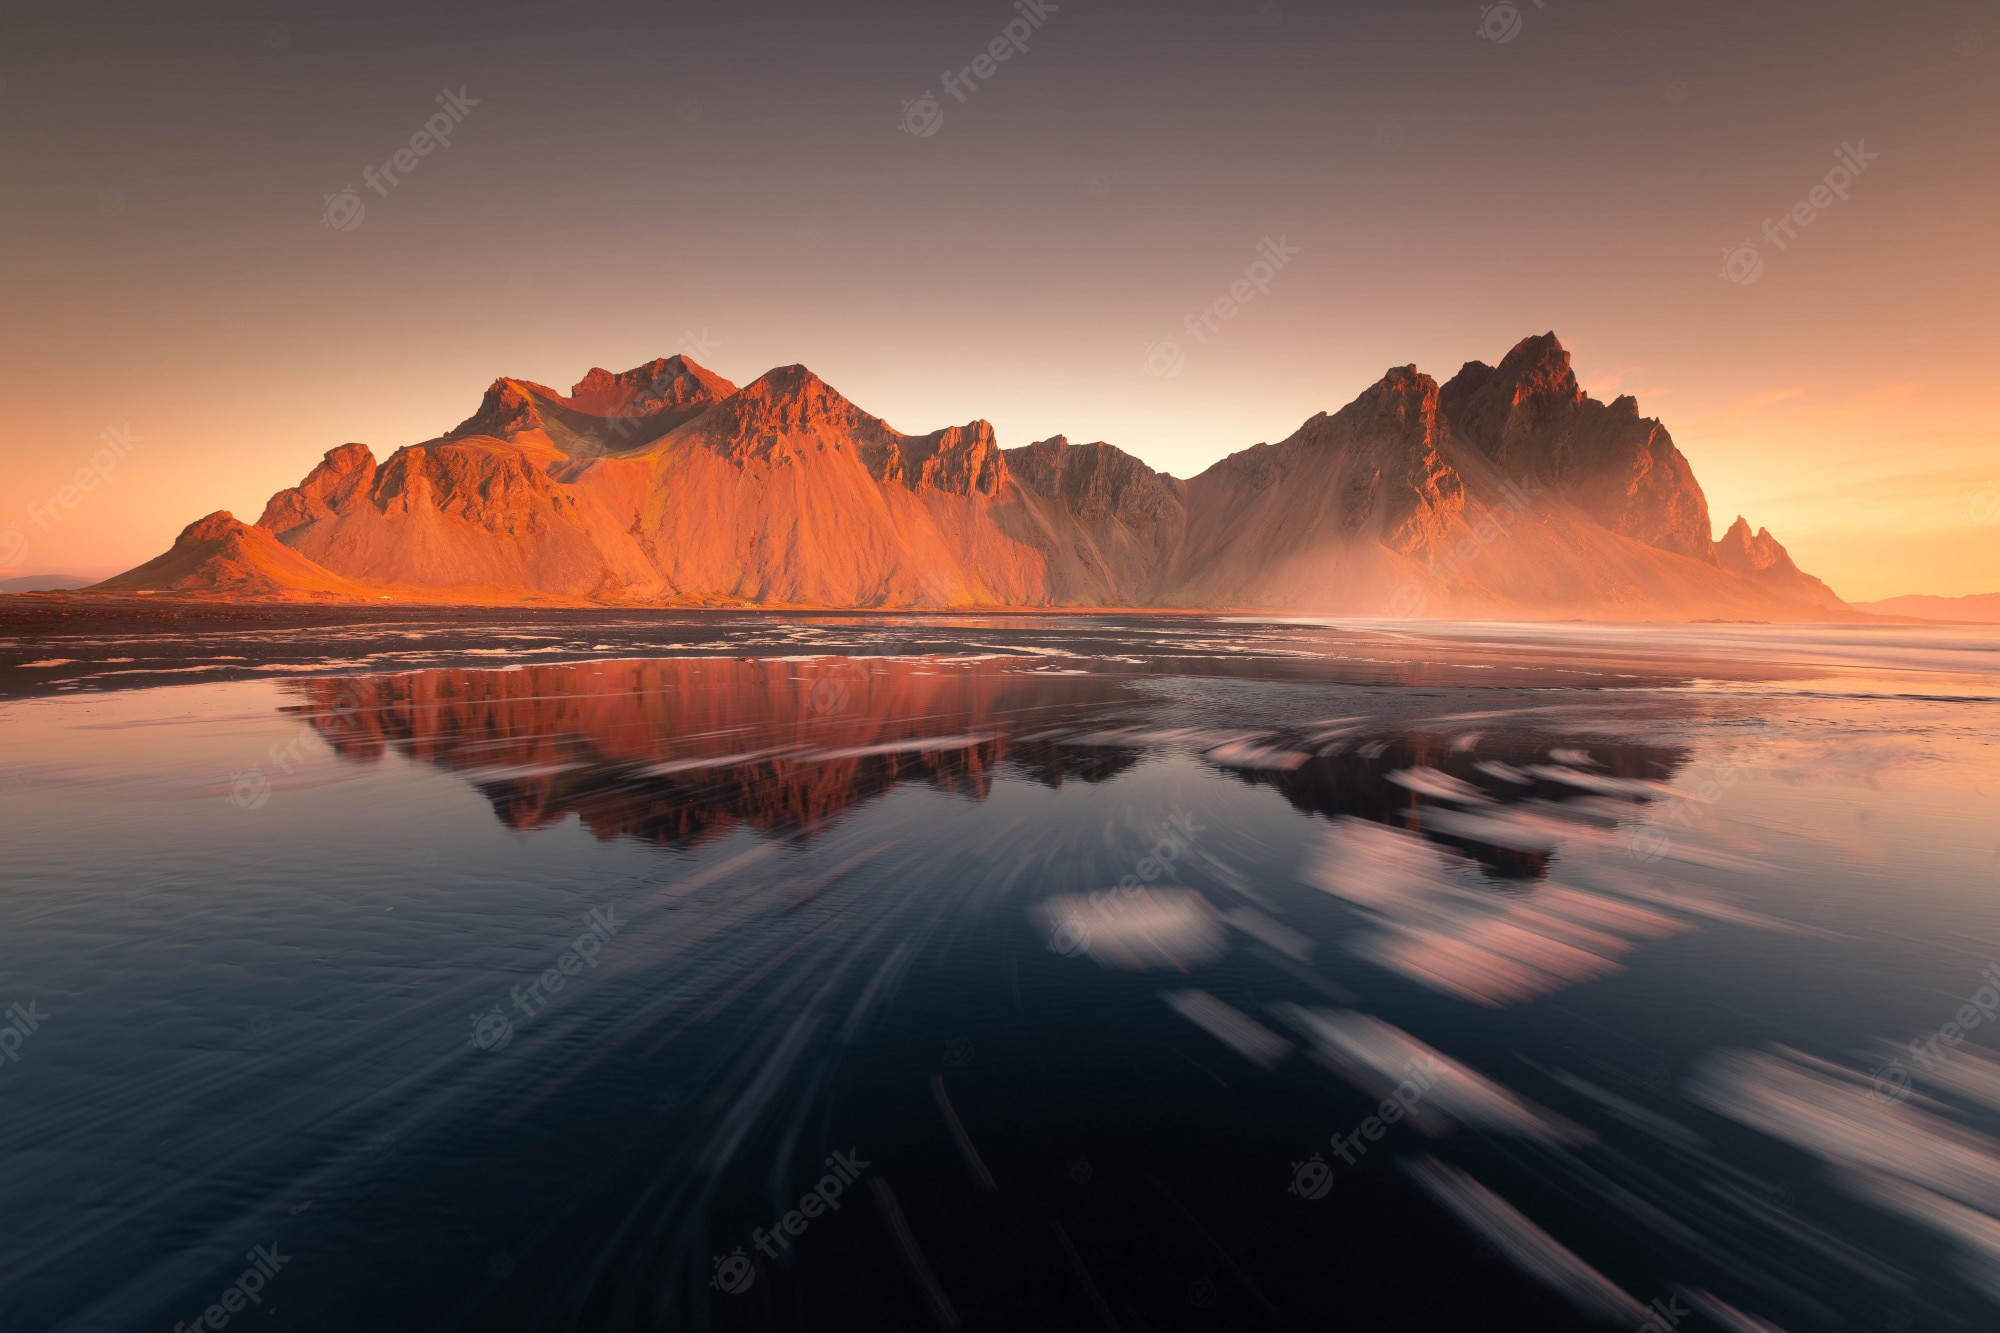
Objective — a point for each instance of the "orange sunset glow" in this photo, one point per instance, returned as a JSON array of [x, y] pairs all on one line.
[[175, 283], [1089, 666]]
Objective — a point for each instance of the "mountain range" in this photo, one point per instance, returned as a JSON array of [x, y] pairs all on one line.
[[1504, 492], [1981, 607]]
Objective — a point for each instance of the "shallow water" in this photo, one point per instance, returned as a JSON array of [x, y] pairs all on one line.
[[538, 995]]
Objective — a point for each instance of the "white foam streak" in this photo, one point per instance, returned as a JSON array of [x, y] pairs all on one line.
[[1426, 781], [1141, 930], [1433, 920], [1841, 1118], [1378, 1057], [1727, 1315], [1528, 1247], [1275, 934], [1233, 1028], [1610, 786], [1976, 1234]]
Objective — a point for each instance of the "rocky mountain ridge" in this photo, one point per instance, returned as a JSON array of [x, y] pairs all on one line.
[[1506, 492]]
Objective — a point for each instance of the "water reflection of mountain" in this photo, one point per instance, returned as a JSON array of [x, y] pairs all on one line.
[[676, 750], [679, 750], [1357, 777]]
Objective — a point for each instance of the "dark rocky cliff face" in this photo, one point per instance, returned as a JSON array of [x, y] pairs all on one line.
[[1762, 560], [1532, 420]]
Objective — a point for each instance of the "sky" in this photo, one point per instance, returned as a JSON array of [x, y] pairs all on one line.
[[197, 310]]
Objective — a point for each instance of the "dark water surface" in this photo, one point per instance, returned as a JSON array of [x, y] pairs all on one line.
[[1083, 973]]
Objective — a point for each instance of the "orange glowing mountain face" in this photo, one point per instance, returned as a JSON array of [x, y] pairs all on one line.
[[221, 557], [1505, 492]]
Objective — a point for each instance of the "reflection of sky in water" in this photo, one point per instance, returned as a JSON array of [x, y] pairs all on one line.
[[1192, 976]]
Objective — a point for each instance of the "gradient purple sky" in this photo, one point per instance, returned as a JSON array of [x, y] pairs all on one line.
[[735, 181]]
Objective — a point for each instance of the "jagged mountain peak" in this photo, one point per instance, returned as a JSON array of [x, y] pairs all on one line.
[[787, 401], [1403, 401], [659, 385], [1095, 480], [1540, 364], [1492, 406], [211, 527], [1761, 558], [1532, 420], [1741, 550], [604, 412], [664, 484]]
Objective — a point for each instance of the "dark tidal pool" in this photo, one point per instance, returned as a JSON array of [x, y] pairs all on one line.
[[1025, 973]]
